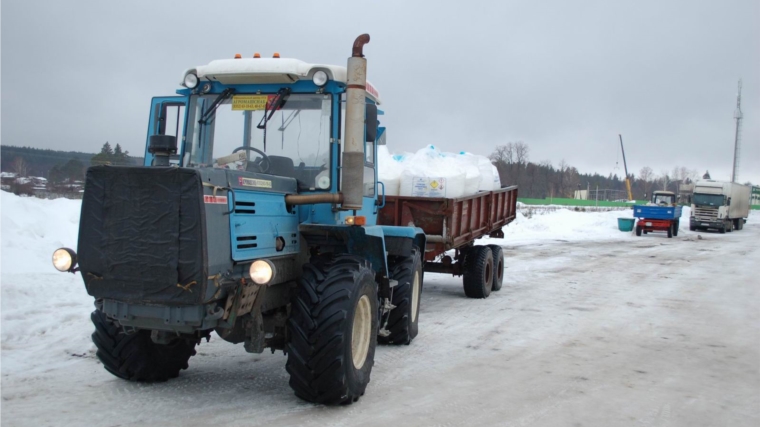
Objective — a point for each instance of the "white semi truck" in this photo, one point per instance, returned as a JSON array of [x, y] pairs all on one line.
[[719, 205]]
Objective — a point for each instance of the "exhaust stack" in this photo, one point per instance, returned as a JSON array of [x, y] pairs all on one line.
[[353, 149]]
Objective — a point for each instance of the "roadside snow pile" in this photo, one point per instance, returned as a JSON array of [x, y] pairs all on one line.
[[563, 224], [432, 173], [45, 313]]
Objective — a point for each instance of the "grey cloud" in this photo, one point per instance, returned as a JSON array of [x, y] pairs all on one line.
[[565, 77]]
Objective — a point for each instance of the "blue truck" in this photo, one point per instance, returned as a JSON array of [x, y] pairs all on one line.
[[254, 216], [661, 214]]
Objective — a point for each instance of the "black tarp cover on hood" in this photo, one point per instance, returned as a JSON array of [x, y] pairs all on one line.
[[142, 235]]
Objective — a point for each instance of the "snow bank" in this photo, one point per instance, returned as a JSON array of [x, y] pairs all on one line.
[[45, 313]]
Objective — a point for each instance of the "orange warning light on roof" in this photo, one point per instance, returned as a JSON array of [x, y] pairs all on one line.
[[257, 55], [276, 55], [238, 56]]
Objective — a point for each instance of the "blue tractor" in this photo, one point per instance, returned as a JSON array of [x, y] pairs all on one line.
[[253, 216]]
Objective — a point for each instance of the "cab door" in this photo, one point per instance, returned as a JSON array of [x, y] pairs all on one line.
[[168, 116]]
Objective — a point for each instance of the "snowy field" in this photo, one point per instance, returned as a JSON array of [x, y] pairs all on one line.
[[594, 327]]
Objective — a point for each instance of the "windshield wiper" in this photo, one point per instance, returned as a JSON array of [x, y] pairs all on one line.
[[277, 103], [214, 105]]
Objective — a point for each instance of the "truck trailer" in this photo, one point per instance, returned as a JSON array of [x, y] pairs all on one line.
[[719, 205]]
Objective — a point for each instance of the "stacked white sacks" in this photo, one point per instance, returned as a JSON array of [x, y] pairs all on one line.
[[432, 173]]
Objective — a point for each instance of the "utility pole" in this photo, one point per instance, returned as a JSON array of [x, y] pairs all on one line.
[[737, 137]]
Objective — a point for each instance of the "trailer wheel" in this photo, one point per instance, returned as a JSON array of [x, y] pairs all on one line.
[[498, 266], [675, 228], [670, 231], [478, 272], [638, 230], [333, 330], [402, 320], [134, 356]]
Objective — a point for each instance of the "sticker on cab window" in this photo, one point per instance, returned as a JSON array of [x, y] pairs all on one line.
[[252, 102]]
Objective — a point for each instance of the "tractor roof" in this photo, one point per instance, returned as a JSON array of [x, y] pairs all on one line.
[[269, 71], [668, 193]]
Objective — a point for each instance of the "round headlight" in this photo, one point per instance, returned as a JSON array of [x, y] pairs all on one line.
[[64, 259], [319, 78], [191, 81], [261, 271]]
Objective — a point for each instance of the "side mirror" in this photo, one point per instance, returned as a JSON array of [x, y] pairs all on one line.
[[370, 121]]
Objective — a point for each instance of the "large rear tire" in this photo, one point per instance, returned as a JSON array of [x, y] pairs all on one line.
[[333, 330], [402, 320], [498, 266], [638, 230], [134, 356], [478, 272]]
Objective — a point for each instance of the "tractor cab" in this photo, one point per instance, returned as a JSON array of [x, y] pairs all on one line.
[[277, 123], [663, 198]]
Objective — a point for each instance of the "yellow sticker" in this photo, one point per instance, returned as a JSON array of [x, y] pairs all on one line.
[[249, 102]]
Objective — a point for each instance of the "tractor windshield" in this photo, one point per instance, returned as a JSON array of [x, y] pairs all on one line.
[[708, 200], [294, 137], [664, 199]]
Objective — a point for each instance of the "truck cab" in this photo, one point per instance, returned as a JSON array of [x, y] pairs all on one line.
[[254, 216], [719, 205]]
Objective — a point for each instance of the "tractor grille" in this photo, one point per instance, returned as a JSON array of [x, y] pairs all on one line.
[[142, 235]]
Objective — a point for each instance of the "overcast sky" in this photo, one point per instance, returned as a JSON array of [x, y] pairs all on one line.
[[565, 77]]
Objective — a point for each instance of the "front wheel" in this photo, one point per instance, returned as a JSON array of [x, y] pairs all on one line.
[[638, 230], [333, 330], [134, 356], [402, 320]]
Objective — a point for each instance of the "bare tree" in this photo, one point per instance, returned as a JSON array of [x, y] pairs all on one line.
[[646, 175], [20, 167], [665, 180], [521, 152], [503, 154]]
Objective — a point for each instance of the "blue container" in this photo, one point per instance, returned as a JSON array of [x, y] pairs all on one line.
[[625, 224]]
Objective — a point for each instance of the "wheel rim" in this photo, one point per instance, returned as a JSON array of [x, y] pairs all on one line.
[[415, 295], [360, 334]]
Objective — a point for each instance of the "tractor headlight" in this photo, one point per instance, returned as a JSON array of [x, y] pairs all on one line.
[[64, 259], [191, 81], [319, 78], [262, 271]]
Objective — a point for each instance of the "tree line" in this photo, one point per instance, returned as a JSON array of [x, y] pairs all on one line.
[[60, 166], [543, 180]]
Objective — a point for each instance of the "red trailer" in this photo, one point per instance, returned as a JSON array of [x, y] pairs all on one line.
[[455, 224]]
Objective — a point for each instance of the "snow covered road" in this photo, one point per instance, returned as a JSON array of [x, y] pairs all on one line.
[[592, 328]]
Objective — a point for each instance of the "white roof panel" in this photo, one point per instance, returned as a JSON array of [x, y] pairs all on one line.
[[269, 70]]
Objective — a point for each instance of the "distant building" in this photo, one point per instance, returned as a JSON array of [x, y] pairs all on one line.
[[755, 198]]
